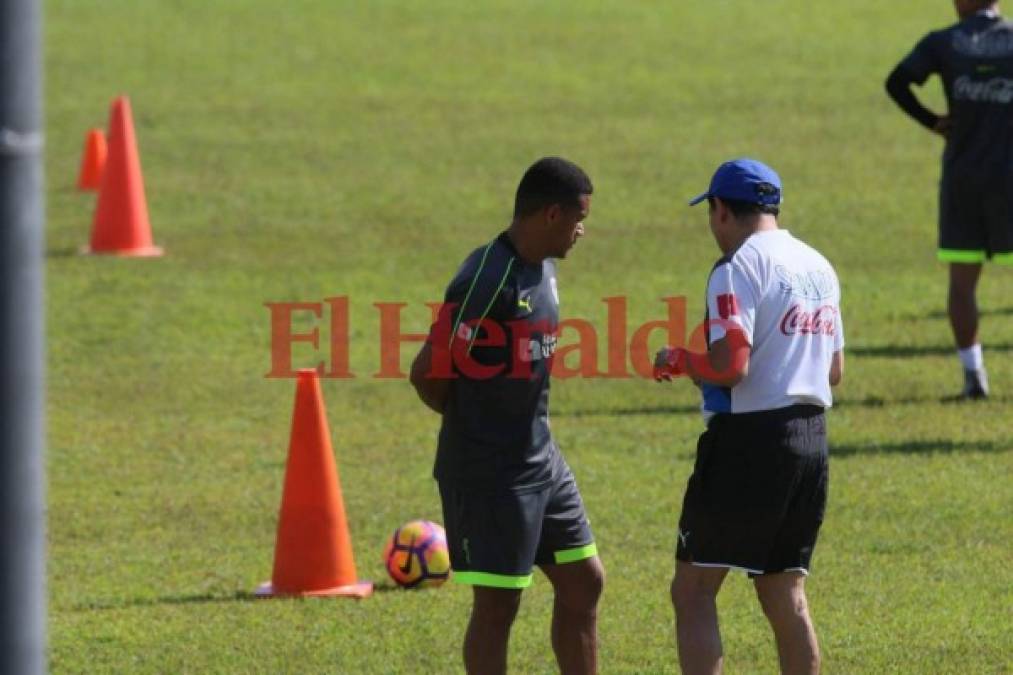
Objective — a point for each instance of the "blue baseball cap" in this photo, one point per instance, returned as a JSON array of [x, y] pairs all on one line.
[[745, 180]]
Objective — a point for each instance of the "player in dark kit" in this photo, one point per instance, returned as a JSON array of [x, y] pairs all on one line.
[[974, 58], [509, 499]]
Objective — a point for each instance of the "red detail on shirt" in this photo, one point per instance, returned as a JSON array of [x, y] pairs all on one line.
[[727, 305]]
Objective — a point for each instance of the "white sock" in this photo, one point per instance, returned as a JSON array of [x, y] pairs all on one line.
[[972, 357]]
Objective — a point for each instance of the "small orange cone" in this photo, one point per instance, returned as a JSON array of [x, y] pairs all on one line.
[[313, 551], [93, 161], [121, 226]]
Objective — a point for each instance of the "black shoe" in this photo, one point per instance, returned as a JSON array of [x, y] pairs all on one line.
[[975, 385]]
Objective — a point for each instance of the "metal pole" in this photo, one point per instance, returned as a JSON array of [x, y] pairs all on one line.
[[22, 503]]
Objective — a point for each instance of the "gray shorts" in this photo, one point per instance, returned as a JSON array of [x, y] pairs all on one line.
[[496, 539]]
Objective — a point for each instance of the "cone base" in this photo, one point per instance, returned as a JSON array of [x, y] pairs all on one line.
[[139, 252], [359, 590]]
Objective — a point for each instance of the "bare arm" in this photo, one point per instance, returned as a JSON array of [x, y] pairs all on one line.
[[836, 368], [724, 365], [432, 390]]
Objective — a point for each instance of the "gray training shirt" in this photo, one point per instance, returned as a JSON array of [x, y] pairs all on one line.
[[495, 434]]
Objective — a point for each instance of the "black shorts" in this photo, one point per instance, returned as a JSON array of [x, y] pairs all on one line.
[[976, 218], [496, 539], [756, 498]]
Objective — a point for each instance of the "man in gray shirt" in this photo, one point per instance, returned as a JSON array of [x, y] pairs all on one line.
[[510, 501]]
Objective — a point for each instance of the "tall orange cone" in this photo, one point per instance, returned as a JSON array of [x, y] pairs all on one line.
[[313, 551], [93, 161], [121, 226]]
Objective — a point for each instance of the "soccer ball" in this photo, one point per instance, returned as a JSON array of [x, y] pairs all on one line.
[[417, 555]]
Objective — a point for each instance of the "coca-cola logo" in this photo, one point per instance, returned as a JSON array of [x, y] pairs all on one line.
[[995, 90], [797, 321]]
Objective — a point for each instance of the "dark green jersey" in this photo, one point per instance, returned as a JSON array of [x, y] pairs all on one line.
[[495, 433], [974, 58]]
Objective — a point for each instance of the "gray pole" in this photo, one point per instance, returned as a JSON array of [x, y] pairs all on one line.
[[22, 517]]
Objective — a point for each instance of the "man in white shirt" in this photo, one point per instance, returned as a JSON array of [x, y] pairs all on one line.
[[756, 498]]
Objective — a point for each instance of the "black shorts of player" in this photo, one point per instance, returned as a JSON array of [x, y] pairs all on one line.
[[756, 498], [976, 218], [496, 539]]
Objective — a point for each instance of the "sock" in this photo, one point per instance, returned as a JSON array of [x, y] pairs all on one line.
[[972, 357]]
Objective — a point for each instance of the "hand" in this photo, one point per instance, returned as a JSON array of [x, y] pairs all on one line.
[[943, 125], [670, 362]]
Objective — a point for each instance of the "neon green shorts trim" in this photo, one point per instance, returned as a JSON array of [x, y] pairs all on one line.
[[575, 554], [1003, 258], [493, 580], [953, 255]]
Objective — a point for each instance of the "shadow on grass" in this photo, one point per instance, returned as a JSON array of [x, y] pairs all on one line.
[[180, 599], [867, 402], [631, 412], [388, 586], [385, 586], [941, 313], [902, 448], [918, 447], [913, 351], [63, 252], [880, 402]]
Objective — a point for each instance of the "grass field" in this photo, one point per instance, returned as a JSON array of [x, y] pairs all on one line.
[[312, 149]]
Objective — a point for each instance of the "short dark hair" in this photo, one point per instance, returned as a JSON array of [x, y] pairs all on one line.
[[741, 209], [551, 180]]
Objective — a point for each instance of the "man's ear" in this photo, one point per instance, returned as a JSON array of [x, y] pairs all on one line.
[[553, 212], [720, 210]]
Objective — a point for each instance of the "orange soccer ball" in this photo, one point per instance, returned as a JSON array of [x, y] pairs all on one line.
[[416, 556]]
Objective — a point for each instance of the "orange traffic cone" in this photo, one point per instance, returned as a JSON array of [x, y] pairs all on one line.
[[121, 226], [93, 161], [313, 551]]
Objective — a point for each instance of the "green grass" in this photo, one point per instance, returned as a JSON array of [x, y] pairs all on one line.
[[312, 149]]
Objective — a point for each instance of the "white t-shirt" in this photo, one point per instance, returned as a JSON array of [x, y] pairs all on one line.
[[785, 297]]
